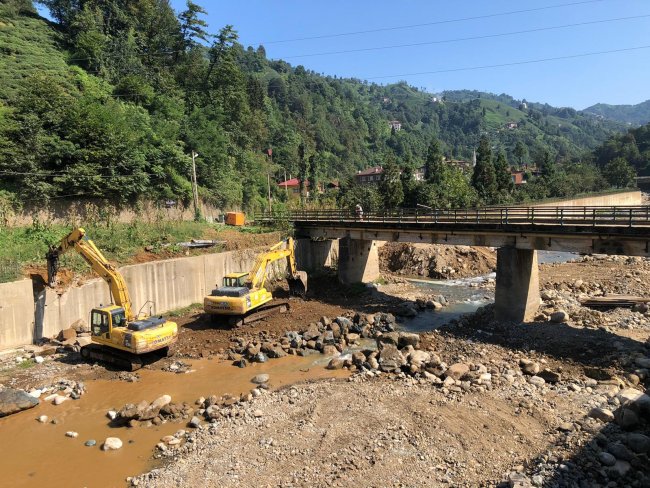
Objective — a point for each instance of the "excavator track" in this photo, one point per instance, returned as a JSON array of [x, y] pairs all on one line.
[[121, 359], [258, 314]]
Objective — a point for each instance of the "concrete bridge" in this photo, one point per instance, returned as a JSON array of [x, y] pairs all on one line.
[[517, 233]]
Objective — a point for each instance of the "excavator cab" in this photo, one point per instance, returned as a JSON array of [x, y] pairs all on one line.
[[104, 319], [235, 280]]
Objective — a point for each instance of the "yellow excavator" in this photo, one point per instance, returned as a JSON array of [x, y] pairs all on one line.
[[119, 337], [243, 299]]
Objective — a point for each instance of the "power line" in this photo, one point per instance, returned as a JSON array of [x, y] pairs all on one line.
[[459, 39], [426, 24], [403, 27], [515, 63], [448, 70]]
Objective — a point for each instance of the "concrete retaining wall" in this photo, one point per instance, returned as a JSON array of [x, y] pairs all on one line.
[[176, 283], [16, 313], [628, 198]]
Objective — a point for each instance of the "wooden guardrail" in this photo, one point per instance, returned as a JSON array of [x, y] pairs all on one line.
[[632, 216]]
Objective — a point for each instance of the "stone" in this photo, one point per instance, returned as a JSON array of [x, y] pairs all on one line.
[[559, 317], [626, 418], [352, 338], [90, 443], [112, 444], [529, 367], [276, 352], [358, 358], [602, 414], [642, 362], [260, 357], [336, 363], [38, 359], [390, 358], [241, 363], [619, 451], [456, 371], [311, 333], [72, 434], [620, 468], [388, 338], [329, 350], [408, 339], [638, 443], [13, 401], [83, 341], [67, 334], [42, 419], [258, 413], [111, 414], [260, 379], [606, 459], [418, 358], [59, 399], [550, 376], [195, 422], [161, 401], [536, 380], [407, 309]]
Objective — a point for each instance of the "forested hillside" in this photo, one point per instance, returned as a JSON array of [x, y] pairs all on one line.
[[110, 99], [629, 114]]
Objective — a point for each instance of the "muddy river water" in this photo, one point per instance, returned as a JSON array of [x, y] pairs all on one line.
[[33, 454]]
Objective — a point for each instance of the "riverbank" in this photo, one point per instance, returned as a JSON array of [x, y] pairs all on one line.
[[520, 408]]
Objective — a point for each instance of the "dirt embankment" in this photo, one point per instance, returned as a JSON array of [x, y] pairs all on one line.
[[436, 261]]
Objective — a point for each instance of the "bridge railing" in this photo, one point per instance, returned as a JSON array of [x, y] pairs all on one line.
[[629, 216]]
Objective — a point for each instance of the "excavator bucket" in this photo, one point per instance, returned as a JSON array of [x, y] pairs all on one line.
[[52, 265], [298, 284]]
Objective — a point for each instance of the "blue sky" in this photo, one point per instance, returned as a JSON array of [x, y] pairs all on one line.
[[619, 78]]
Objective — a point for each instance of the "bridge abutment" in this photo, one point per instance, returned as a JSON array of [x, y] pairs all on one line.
[[517, 289], [358, 261]]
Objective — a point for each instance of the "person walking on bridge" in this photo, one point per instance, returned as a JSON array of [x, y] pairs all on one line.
[[359, 211]]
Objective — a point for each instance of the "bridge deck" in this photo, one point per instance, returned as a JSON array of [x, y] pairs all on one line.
[[612, 230]]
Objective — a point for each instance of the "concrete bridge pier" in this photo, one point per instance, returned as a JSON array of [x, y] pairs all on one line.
[[358, 261], [517, 289]]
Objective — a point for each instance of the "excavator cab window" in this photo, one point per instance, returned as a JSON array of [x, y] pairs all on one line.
[[119, 318], [100, 323], [235, 282]]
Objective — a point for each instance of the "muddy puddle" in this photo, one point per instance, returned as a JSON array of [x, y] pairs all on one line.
[[35, 454]]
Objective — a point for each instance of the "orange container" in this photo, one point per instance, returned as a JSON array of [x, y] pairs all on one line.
[[235, 218]]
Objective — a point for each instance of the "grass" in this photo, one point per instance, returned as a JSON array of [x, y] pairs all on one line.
[[119, 242], [186, 310]]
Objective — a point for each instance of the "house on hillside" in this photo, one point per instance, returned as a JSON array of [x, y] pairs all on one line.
[[511, 125], [518, 177], [395, 125], [419, 174], [369, 175], [292, 187]]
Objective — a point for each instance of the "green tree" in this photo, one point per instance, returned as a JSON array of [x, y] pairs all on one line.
[[521, 153], [484, 177], [193, 27], [390, 186], [434, 167], [505, 185], [619, 173]]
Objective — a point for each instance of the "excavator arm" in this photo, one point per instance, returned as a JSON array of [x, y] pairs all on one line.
[[92, 255], [297, 279]]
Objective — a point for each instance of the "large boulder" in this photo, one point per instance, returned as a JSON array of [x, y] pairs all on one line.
[[419, 358], [408, 339], [391, 338], [390, 358], [13, 401], [457, 371]]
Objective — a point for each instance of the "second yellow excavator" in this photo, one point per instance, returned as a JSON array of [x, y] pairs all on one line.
[[243, 297], [119, 337]]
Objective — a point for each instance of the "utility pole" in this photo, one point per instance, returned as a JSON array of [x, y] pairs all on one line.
[[195, 190], [268, 182]]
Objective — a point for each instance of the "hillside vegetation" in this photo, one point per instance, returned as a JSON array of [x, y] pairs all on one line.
[[109, 101], [638, 114]]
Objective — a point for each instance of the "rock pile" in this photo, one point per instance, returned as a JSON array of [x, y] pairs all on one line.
[[327, 336]]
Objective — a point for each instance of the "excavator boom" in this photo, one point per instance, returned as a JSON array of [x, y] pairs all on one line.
[[99, 264]]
